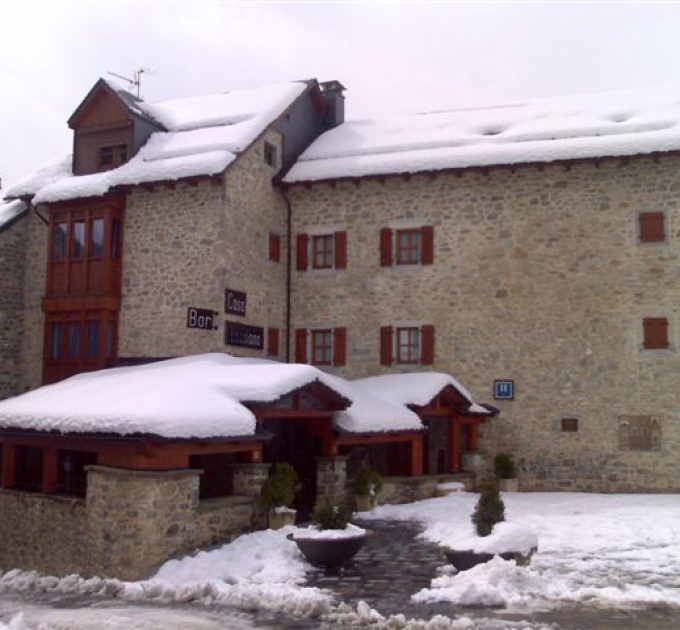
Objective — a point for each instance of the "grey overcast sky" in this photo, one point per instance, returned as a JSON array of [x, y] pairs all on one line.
[[392, 57]]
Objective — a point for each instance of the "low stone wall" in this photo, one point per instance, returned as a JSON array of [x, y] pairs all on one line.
[[221, 520], [417, 488]]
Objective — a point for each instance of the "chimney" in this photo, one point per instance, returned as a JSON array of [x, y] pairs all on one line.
[[332, 92]]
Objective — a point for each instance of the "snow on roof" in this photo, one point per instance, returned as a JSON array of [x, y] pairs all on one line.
[[205, 135], [203, 396], [586, 126], [11, 210], [418, 388]]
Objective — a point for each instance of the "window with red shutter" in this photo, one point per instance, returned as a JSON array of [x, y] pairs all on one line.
[[651, 227], [408, 345], [322, 346], [301, 345], [385, 247], [340, 250], [273, 342], [339, 346], [274, 247], [386, 334], [427, 342], [655, 333], [322, 251], [427, 244], [408, 247], [301, 252]]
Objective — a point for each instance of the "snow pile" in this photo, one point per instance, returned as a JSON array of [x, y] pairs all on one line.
[[504, 537], [11, 210], [600, 550], [582, 126], [204, 135], [313, 533], [17, 623]]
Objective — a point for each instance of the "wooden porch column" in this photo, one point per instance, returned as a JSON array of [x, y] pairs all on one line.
[[416, 455], [472, 436], [454, 445], [9, 465], [254, 456], [50, 471]]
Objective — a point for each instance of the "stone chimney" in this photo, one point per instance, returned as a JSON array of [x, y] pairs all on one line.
[[332, 92]]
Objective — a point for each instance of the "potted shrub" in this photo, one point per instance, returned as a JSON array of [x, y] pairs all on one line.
[[493, 535], [277, 495], [506, 472], [367, 485], [331, 540]]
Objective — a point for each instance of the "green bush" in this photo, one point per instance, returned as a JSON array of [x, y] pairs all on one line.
[[366, 480], [329, 514], [504, 466], [281, 487], [490, 508]]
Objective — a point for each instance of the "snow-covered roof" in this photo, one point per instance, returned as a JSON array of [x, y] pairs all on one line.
[[10, 211], [617, 123], [416, 388], [204, 396], [204, 135]]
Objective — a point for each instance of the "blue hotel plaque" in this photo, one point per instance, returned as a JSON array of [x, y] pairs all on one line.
[[503, 390]]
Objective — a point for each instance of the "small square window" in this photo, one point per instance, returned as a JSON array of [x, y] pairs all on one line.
[[651, 227], [408, 247], [110, 157], [322, 252], [322, 347], [569, 425], [270, 154], [655, 333], [408, 345]]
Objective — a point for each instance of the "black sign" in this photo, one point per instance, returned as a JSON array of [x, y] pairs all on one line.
[[235, 302], [236, 334], [201, 318]]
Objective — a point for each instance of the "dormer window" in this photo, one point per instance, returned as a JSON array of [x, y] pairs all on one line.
[[270, 154], [113, 156]]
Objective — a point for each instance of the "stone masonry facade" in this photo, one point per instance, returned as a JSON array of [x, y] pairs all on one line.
[[538, 276]]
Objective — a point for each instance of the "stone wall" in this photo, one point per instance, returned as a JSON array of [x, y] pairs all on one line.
[[12, 257], [129, 524], [537, 277], [184, 246]]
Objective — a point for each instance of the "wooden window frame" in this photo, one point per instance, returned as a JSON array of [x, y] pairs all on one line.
[[117, 155], [414, 340], [651, 227], [321, 353], [323, 251], [412, 252], [569, 425]]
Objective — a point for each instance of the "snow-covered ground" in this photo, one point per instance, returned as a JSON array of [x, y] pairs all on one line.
[[593, 549]]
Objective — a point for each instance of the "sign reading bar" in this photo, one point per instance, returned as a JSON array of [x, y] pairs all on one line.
[[503, 390], [201, 318], [236, 334], [235, 302]]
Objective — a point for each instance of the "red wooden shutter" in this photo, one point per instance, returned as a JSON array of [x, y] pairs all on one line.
[[655, 331], [339, 346], [340, 250], [302, 252], [427, 345], [274, 247], [386, 357], [301, 345], [385, 247], [273, 342], [651, 227], [427, 245]]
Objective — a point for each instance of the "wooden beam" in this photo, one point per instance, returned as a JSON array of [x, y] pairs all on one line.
[[377, 438], [455, 455], [9, 465], [472, 436], [142, 462], [417, 455], [50, 470]]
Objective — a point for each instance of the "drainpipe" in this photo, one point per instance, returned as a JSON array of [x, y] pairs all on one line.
[[35, 210], [289, 259]]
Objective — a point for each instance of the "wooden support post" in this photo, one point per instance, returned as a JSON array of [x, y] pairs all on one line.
[[50, 471], [417, 455], [472, 436], [454, 445], [254, 456], [9, 465]]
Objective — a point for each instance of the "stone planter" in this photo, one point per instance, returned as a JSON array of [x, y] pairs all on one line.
[[366, 502], [280, 517], [508, 485], [464, 560], [330, 552]]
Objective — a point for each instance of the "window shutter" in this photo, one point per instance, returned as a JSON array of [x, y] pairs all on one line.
[[273, 342], [385, 247], [427, 245], [651, 227], [427, 345], [386, 333], [302, 252], [339, 346], [301, 345], [655, 330], [340, 250], [274, 247]]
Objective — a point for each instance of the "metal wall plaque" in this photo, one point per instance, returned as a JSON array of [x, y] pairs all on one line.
[[235, 302], [244, 336], [504, 390], [201, 318]]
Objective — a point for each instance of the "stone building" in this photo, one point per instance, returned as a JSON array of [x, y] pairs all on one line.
[[532, 246]]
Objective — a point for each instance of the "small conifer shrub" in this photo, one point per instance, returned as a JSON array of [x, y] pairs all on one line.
[[280, 488], [330, 514], [490, 508], [504, 466], [367, 482]]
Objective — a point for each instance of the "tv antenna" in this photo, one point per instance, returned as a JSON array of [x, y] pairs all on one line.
[[137, 81]]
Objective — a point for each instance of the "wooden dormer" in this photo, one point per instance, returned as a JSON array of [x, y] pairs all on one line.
[[108, 129]]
